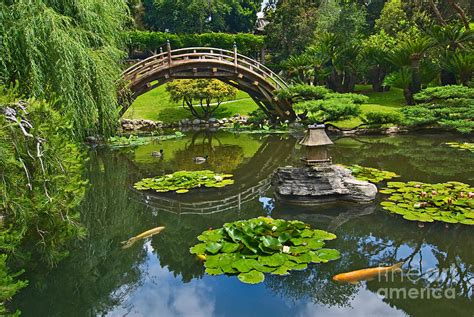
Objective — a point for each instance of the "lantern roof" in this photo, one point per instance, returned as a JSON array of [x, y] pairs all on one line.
[[316, 136]]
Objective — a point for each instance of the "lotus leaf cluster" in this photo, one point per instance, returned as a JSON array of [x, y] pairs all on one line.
[[450, 202], [250, 248], [370, 174], [181, 182], [462, 146]]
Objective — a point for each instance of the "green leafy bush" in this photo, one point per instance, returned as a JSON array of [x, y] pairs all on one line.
[[354, 98], [257, 117], [381, 118], [323, 111], [444, 92], [181, 182], [451, 107], [9, 286], [41, 186], [450, 202], [303, 92], [261, 245], [370, 174]]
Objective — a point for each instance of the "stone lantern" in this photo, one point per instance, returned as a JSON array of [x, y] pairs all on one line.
[[316, 142]]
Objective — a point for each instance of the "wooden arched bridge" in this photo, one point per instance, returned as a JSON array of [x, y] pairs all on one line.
[[235, 69]]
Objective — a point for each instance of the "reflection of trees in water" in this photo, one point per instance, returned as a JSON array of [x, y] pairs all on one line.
[[449, 249], [98, 272], [172, 246], [314, 283], [425, 157]]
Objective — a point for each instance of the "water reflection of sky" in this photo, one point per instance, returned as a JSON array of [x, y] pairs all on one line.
[[163, 294]]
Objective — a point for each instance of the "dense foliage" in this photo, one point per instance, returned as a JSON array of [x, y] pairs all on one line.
[[41, 184], [181, 182], [448, 106], [399, 44], [202, 97], [198, 16], [319, 104], [66, 50], [149, 42], [261, 245], [450, 202]]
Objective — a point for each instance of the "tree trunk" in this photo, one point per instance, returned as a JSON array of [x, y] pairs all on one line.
[[437, 13], [377, 76], [447, 78], [460, 12], [415, 76], [408, 96]]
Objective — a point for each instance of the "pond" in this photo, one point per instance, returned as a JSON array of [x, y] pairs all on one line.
[[159, 277]]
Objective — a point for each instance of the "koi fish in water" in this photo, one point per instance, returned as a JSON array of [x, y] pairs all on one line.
[[144, 235], [367, 274]]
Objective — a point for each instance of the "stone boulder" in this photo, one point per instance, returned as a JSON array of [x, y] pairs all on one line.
[[313, 185]]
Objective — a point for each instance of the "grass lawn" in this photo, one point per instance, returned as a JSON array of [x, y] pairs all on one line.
[[389, 101], [155, 105]]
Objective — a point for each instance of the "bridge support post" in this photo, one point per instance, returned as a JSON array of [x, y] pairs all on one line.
[[168, 48], [236, 56]]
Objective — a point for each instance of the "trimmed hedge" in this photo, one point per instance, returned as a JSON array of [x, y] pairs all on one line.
[[247, 44]]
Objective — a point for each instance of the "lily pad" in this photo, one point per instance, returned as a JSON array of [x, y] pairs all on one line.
[[263, 245], [370, 174], [252, 277], [451, 202], [181, 182]]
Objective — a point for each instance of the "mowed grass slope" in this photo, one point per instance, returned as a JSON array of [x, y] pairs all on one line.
[[156, 105]]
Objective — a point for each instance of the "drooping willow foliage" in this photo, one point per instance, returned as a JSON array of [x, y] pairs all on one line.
[[66, 50], [41, 184]]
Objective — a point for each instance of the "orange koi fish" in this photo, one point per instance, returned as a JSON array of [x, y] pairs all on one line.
[[367, 274]]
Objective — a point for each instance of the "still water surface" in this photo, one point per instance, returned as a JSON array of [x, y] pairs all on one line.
[[158, 276]]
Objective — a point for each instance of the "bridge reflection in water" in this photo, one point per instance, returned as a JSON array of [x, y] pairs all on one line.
[[252, 178]]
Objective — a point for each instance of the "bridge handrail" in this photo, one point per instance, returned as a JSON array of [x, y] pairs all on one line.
[[199, 52]]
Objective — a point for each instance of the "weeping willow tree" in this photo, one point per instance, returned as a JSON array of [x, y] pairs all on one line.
[[69, 51]]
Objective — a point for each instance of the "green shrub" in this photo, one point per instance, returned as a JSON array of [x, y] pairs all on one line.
[[305, 92], [322, 111], [451, 107], [355, 98], [381, 118], [444, 92], [257, 117]]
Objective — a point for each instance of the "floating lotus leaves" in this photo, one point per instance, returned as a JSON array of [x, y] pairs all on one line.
[[370, 174], [252, 247], [451, 202], [181, 182], [462, 146]]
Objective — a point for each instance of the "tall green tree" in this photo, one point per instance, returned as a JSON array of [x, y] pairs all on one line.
[[291, 28], [66, 50], [198, 16]]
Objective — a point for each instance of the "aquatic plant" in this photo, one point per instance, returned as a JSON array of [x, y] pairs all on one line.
[[451, 202], [370, 174], [181, 182], [133, 140], [261, 245], [462, 146]]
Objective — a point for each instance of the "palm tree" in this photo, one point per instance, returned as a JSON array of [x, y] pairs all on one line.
[[451, 39], [409, 55]]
